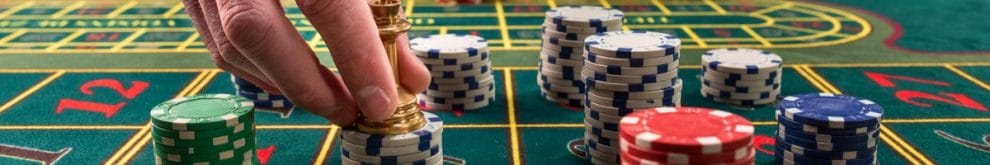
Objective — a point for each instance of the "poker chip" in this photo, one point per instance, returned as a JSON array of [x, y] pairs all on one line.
[[740, 76], [449, 46], [741, 60], [681, 158], [712, 131], [186, 113], [631, 62], [422, 146], [824, 128], [204, 129], [635, 44], [261, 98], [631, 71], [664, 78], [584, 16], [831, 110]]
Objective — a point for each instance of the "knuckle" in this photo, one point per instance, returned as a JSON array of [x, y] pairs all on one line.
[[245, 24], [316, 7]]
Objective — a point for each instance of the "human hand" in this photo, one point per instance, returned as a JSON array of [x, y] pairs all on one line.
[[254, 40]]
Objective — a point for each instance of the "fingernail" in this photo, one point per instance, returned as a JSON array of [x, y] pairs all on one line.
[[375, 104]]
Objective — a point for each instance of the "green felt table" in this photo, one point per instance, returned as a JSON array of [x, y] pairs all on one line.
[[79, 77]]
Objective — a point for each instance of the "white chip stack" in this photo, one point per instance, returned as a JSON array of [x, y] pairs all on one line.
[[564, 31], [460, 69], [741, 76]]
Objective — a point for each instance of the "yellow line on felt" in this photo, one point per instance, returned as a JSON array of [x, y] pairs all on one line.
[[513, 131], [756, 36], [122, 9], [694, 36], [67, 39], [552, 4], [15, 9], [443, 30], [809, 78], [16, 34], [503, 25], [68, 9], [185, 44], [325, 148], [773, 8], [718, 9], [31, 90], [173, 10], [70, 127], [140, 134], [968, 77], [605, 3], [626, 28], [887, 136], [128, 40], [410, 5], [663, 8]]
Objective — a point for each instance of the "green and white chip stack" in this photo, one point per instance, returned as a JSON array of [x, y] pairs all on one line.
[[564, 31], [204, 129], [740, 76]]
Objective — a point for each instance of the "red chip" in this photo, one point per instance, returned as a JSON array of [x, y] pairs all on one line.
[[689, 130], [737, 155], [629, 159]]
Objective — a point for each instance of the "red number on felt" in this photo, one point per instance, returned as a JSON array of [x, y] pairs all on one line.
[[884, 80], [136, 87], [958, 99], [108, 110]]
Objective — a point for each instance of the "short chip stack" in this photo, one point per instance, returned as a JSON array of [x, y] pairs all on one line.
[[686, 135], [625, 71], [824, 128], [261, 98], [422, 146], [460, 69], [741, 76], [204, 129], [564, 31]]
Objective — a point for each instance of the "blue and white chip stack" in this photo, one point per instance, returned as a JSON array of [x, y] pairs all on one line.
[[624, 71], [824, 128], [423, 146], [262, 99], [460, 69], [740, 76], [564, 31]]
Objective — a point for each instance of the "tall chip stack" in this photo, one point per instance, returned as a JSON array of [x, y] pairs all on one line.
[[204, 129], [624, 71], [261, 98], [564, 31], [686, 135], [422, 146], [460, 69], [741, 76], [822, 127]]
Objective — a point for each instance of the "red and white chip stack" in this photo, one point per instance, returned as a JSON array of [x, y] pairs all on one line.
[[685, 135]]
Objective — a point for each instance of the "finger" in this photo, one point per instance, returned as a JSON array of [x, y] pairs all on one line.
[[229, 57], [348, 29], [415, 77], [267, 39]]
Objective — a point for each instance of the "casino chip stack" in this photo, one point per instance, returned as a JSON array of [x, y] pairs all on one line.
[[204, 129], [422, 147], [823, 128], [261, 98], [741, 76], [625, 71], [460, 69], [564, 31], [686, 135]]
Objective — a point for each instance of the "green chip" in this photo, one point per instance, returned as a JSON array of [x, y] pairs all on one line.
[[202, 134], [242, 142], [202, 142], [233, 156], [203, 112]]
